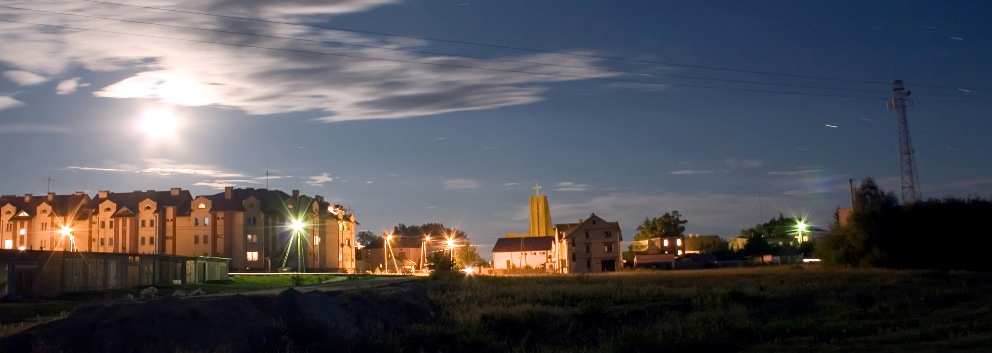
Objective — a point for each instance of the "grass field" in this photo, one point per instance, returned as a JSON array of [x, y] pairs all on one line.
[[780, 309]]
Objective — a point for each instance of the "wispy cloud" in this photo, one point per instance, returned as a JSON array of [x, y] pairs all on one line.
[[165, 167], [19, 128], [221, 183], [461, 184], [793, 172], [511, 184], [369, 77], [691, 172], [320, 180], [7, 102], [70, 86], [568, 186], [24, 78]]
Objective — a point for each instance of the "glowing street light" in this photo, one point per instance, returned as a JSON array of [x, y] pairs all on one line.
[[451, 247], [800, 229], [65, 231], [296, 225]]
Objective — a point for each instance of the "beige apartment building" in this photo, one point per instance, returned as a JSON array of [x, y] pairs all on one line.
[[249, 226]]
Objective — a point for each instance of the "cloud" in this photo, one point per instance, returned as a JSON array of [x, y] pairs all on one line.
[[364, 77], [568, 186], [18, 128], [691, 172], [24, 78], [165, 167], [221, 184], [69, 86], [7, 102], [461, 184], [319, 180], [801, 171], [511, 184], [440, 139]]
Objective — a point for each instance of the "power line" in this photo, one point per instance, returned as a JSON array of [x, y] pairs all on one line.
[[262, 35], [490, 45], [441, 64]]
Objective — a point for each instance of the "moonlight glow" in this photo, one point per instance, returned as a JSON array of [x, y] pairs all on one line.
[[158, 123]]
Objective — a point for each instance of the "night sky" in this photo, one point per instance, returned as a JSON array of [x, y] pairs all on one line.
[[414, 129]]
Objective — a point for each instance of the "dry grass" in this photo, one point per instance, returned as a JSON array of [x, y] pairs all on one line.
[[751, 309]]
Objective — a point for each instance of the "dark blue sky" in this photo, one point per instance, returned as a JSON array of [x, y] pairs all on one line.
[[401, 141]]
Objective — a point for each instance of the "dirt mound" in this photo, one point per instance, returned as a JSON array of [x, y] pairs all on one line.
[[291, 321]]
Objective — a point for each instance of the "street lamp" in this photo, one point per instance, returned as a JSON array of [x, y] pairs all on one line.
[[451, 247], [387, 237], [801, 228], [65, 232]]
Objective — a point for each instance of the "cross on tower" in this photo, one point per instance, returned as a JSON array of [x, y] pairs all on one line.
[[537, 189]]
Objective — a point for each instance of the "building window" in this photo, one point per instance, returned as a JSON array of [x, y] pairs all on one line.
[[587, 248], [252, 255], [142, 223], [252, 239], [103, 224], [205, 239], [588, 264], [101, 241], [44, 225], [678, 242], [573, 257], [151, 223], [609, 234], [665, 242], [8, 244], [196, 221], [201, 205], [316, 240], [142, 240], [206, 220], [679, 252], [587, 234], [22, 231], [608, 248], [111, 224], [196, 239]]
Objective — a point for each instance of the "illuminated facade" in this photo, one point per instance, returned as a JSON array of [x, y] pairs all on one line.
[[246, 225], [540, 215], [591, 245]]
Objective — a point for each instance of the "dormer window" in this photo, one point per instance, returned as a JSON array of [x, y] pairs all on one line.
[[148, 208], [22, 214], [201, 206], [106, 209]]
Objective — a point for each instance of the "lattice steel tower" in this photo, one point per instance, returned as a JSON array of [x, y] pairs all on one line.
[[907, 164]]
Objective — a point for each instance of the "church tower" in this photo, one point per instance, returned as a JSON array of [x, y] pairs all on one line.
[[540, 214]]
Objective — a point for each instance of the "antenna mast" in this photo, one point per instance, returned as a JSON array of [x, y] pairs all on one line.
[[907, 164]]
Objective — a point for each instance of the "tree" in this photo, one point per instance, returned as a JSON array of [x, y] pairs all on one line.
[[669, 224], [368, 239], [467, 256], [771, 237]]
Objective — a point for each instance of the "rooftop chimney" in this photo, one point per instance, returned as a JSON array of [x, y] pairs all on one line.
[[296, 193], [175, 191], [102, 194], [27, 197], [228, 192], [79, 193], [51, 196]]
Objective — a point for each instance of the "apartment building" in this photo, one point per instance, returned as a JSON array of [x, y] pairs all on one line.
[[249, 226]]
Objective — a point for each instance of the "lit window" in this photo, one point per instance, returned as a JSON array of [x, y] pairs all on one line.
[[316, 240], [22, 231], [678, 242], [201, 205], [665, 242], [252, 255], [252, 239], [680, 252], [206, 220], [8, 244]]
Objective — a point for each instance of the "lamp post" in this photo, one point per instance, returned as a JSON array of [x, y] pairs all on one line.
[[801, 228], [387, 237], [65, 232], [451, 248], [423, 250]]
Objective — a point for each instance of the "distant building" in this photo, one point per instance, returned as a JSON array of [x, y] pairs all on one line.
[[591, 245], [737, 243], [406, 253], [703, 244], [659, 251], [537, 253]]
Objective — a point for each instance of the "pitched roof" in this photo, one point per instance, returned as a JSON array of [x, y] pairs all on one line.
[[569, 228], [524, 244], [271, 201], [22, 205], [181, 201]]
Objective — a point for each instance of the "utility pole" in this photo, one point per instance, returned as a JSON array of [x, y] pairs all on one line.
[[907, 164]]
